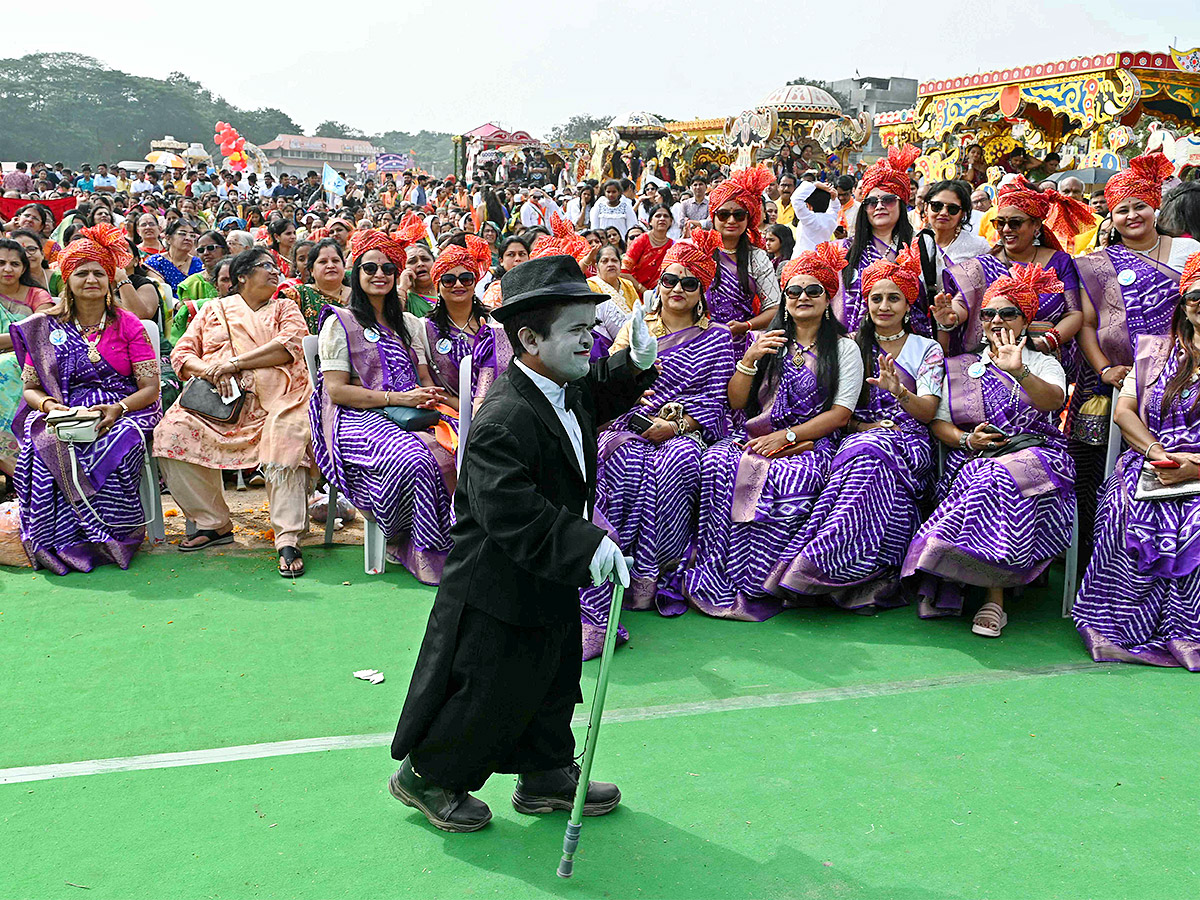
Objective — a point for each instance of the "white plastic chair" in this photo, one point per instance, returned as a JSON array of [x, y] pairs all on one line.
[[1114, 439], [156, 529], [464, 407], [374, 546], [1071, 562]]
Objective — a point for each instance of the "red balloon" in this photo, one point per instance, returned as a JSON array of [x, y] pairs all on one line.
[[239, 143]]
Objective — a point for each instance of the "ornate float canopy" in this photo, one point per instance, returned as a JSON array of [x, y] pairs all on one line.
[[638, 124], [795, 113], [1060, 101]]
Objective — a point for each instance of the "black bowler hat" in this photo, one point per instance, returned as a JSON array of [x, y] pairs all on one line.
[[546, 281]]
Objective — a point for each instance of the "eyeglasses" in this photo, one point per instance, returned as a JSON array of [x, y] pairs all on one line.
[[466, 279], [796, 291], [1014, 224], [739, 215], [266, 266], [208, 248], [937, 206], [1007, 313], [1192, 298], [689, 283], [372, 267], [883, 200]]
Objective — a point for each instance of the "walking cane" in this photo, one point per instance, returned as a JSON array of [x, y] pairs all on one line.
[[566, 865]]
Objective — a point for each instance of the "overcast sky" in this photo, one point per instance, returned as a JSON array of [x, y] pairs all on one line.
[[496, 60]]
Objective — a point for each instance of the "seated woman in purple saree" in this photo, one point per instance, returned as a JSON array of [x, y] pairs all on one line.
[[756, 495], [648, 481], [1140, 599], [85, 352], [1005, 513], [402, 479], [855, 539], [456, 327]]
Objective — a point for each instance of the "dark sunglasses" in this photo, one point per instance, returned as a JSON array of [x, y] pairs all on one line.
[[208, 248], [796, 291], [1014, 224], [466, 279], [1192, 298], [739, 215], [937, 206], [884, 200], [1007, 313], [372, 267], [689, 283]]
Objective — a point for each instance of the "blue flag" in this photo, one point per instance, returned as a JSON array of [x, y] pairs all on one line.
[[332, 181]]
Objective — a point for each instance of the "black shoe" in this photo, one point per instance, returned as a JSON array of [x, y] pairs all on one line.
[[448, 810], [543, 792]]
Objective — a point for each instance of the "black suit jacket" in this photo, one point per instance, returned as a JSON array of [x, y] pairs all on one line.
[[521, 545]]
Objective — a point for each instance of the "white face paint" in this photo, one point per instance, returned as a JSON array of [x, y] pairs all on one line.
[[565, 353]]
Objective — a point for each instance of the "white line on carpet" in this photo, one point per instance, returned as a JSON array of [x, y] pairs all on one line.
[[20, 774]]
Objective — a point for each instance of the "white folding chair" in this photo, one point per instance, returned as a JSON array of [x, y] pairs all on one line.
[[1114, 439], [156, 529], [464, 407], [1071, 562], [374, 546]]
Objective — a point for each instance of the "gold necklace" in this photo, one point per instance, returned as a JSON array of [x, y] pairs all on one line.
[[798, 356], [93, 352]]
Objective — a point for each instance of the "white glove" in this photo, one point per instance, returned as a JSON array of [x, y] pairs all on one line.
[[643, 347], [608, 564]]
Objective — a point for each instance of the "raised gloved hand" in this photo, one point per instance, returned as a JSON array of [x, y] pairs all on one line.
[[609, 564], [643, 347]]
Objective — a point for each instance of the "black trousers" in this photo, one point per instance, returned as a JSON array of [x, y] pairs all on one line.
[[487, 696]]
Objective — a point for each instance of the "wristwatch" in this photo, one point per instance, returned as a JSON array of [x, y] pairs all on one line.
[[1023, 374], [790, 435]]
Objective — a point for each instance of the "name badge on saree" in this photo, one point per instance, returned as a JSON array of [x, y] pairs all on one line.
[[1126, 277], [977, 369], [58, 337], [371, 335], [444, 345]]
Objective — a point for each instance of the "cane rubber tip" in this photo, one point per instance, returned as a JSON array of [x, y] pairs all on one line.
[[566, 868]]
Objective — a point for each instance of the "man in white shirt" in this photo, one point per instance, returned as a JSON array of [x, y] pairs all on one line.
[[696, 209], [537, 209], [141, 185], [104, 183], [816, 215]]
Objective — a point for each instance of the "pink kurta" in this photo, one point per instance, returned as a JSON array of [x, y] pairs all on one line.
[[273, 427]]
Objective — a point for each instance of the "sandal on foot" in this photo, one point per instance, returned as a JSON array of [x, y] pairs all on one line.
[[212, 539], [990, 620], [289, 555]]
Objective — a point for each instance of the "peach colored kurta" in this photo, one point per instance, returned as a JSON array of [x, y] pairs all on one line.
[[273, 428]]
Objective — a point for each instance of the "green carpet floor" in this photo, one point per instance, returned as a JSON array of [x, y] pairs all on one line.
[[995, 777]]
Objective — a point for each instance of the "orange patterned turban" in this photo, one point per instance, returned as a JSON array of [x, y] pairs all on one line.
[[373, 239], [746, 189], [1143, 179], [1024, 288], [891, 173], [1191, 272], [823, 264], [905, 272], [105, 244], [1062, 217], [562, 240], [696, 255], [476, 257]]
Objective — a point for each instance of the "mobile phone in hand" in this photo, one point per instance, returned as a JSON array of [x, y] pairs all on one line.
[[640, 423], [992, 429], [1165, 463]]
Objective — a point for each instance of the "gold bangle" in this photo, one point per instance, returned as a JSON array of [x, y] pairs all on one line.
[[42, 403]]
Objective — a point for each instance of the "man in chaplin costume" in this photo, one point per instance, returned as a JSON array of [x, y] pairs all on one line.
[[497, 678]]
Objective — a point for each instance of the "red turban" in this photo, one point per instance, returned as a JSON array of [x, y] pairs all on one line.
[[1062, 217], [476, 257], [373, 239], [411, 230], [105, 244], [905, 272], [1024, 288], [562, 241], [1143, 179], [1191, 272], [823, 264], [746, 189], [696, 255], [891, 173]]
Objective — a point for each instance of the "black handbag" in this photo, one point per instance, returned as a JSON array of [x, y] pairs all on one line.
[[410, 418], [202, 397], [1015, 443]]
